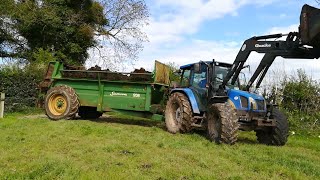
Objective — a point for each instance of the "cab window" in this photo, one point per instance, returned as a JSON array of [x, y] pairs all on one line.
[[220, 73], [185, 78], [199, 80]]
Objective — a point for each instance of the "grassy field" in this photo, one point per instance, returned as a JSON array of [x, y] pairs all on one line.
[[32, 147]]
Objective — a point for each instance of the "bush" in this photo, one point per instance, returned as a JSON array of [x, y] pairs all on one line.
[[20, 86], [20, 81], [301, 94], [299, 97], [304, 123]]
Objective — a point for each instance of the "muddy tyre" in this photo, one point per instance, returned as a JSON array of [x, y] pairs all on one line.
[[178, 114], [61, 102], [89, 113], [278, 135], [222, 123]]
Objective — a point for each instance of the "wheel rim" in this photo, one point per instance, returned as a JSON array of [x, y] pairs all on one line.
[[178, 115], [214, 125], [57, 104]]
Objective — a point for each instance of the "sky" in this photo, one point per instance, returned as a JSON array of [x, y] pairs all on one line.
[[186, 31]]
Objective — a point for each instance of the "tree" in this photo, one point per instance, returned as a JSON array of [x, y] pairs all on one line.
[[68, 28]]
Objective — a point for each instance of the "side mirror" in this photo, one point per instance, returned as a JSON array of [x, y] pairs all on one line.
[[197, 68], [243, 81]]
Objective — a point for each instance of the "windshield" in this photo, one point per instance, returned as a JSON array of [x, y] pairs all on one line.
[[220, 73]]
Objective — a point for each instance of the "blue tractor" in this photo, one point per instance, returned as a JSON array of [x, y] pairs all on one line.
[[209, 96], [197, 104]]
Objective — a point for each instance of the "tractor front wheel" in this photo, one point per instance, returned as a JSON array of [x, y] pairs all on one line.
[[278, 135], [222, 123], [178, 114], [61, 102]]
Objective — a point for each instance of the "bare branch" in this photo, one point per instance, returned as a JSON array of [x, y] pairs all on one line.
[[124, 34]]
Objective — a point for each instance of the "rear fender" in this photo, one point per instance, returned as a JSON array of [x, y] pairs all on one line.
[[192, 99]]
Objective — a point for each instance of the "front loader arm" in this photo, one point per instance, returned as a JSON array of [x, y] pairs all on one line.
[[304, 44], [290, 48], [252, 44]]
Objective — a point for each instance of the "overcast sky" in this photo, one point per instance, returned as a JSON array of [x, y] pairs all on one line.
[[186, 31]]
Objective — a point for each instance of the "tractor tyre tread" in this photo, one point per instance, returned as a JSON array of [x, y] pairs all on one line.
[[222, 123], [278, 135], [186, 124]]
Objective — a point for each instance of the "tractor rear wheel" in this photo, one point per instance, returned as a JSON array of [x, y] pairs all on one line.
[[278, 135], [222, 123], [178, 114], [89, 113], [61, 102]]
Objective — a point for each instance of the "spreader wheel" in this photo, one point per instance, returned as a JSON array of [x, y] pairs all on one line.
[[61, 102]]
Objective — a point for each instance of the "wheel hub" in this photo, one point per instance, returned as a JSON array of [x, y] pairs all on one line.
[[57, 104], [60, 103]]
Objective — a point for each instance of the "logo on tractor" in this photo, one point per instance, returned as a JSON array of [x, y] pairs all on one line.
[[263, 45], [118, 94]]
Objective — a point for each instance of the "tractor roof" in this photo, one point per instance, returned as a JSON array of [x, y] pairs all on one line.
[[187, 66]]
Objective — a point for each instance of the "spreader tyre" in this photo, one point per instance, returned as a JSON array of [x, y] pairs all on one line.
[[61, 102]]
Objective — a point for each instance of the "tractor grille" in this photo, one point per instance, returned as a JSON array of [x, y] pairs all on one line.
[[261, 104]]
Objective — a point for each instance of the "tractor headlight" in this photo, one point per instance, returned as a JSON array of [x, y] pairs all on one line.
[[244, 102], [253, 103]]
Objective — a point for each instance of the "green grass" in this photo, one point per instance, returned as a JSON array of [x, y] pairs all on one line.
[[32, 147]]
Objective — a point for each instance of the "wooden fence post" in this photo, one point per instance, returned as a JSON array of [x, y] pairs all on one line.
[[2, 104]]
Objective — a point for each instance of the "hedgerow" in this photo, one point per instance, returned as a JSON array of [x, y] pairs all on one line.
[[20, 86], [299, 97]]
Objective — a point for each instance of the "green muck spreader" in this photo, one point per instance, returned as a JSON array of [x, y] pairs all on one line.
[[91, 92]]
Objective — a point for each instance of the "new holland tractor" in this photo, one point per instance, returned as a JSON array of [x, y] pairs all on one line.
[[209, 95]]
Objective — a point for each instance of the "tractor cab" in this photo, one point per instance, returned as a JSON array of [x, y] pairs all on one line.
[[196, 75], [197, 78], [202, 81]]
